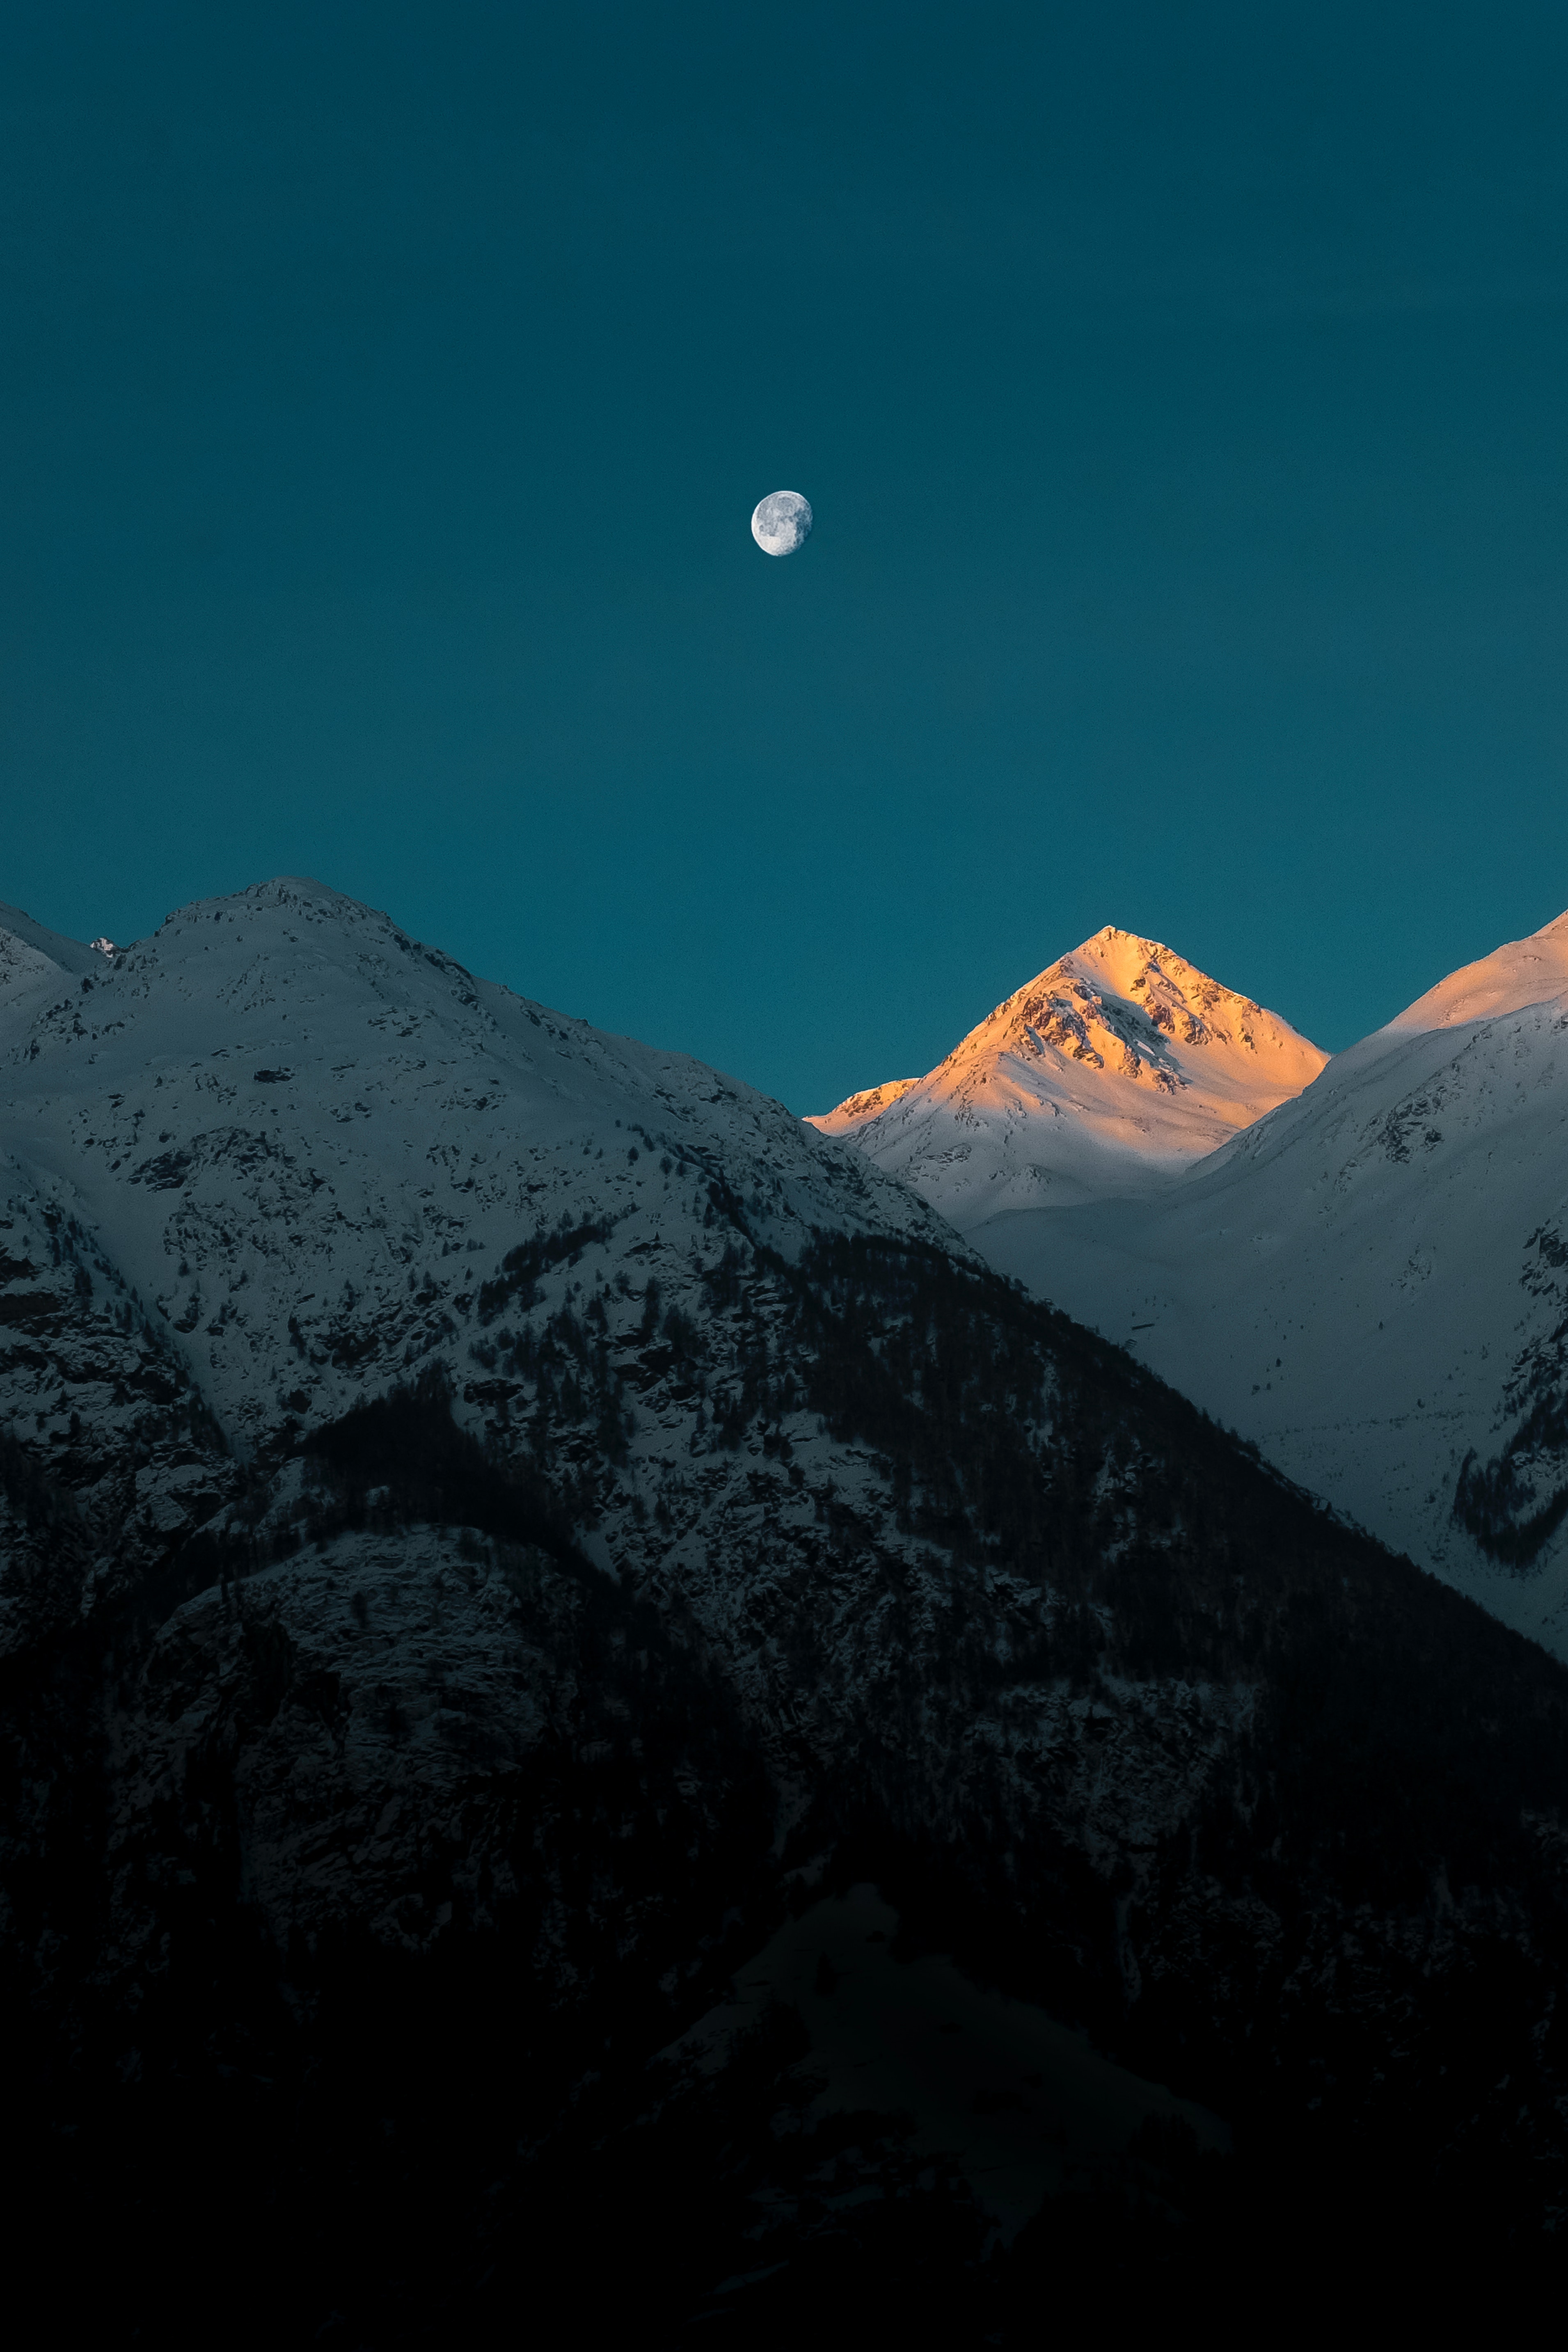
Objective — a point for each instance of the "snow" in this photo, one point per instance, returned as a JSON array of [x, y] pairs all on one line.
[[299, 1141], [68, 954], [271, 1162], [270, 1156], [1108, 1074], [1520, 973], [1372, 1281]]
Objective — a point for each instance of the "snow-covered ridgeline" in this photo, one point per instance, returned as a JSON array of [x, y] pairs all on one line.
[[303, 1139], [1373, 1281]]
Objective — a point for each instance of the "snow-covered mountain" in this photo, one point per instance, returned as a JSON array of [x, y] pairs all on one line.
[[34, 961], [303, 1140], [279, 1163], [488, 1510], [1373, 1282], [1107, 1075]]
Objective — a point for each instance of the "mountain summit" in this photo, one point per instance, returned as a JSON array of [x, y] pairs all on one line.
[[1107, 1075], [1372, 1284], [292, 1129]]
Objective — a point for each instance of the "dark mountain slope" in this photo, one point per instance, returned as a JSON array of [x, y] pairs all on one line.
[[363, 1848]]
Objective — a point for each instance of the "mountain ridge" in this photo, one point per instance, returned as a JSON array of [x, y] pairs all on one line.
[[1366, 1282], [191, 1097], [1110, 1072]]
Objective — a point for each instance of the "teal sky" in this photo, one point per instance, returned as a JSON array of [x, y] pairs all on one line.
[[384, 392]]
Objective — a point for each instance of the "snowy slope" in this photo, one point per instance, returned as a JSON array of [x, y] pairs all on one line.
[[36, 963], [304, 1139], [1108, 1074], [263, 1164], [18, 928], [1373, 1282]]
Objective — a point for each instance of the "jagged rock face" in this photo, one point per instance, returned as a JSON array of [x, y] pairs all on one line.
[[1371, 1282], [1108, 1074], [545, 1530], [396, 1727], [105, 1409]]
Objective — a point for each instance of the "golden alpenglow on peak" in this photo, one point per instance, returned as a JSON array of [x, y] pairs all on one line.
[[1108, 1074]]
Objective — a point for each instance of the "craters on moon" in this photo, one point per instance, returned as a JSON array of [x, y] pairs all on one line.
[[782, 523]]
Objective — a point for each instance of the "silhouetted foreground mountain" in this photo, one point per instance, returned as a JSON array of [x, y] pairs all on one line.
[[493, 1522], [360, 1860]]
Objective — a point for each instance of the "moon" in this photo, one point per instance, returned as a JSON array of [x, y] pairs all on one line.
[[782, 523]]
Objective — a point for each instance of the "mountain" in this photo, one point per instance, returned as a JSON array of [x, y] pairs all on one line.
[[34, 960], [294, 1131], [497, 1519], [1373, 1282], [1108, 1075]]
